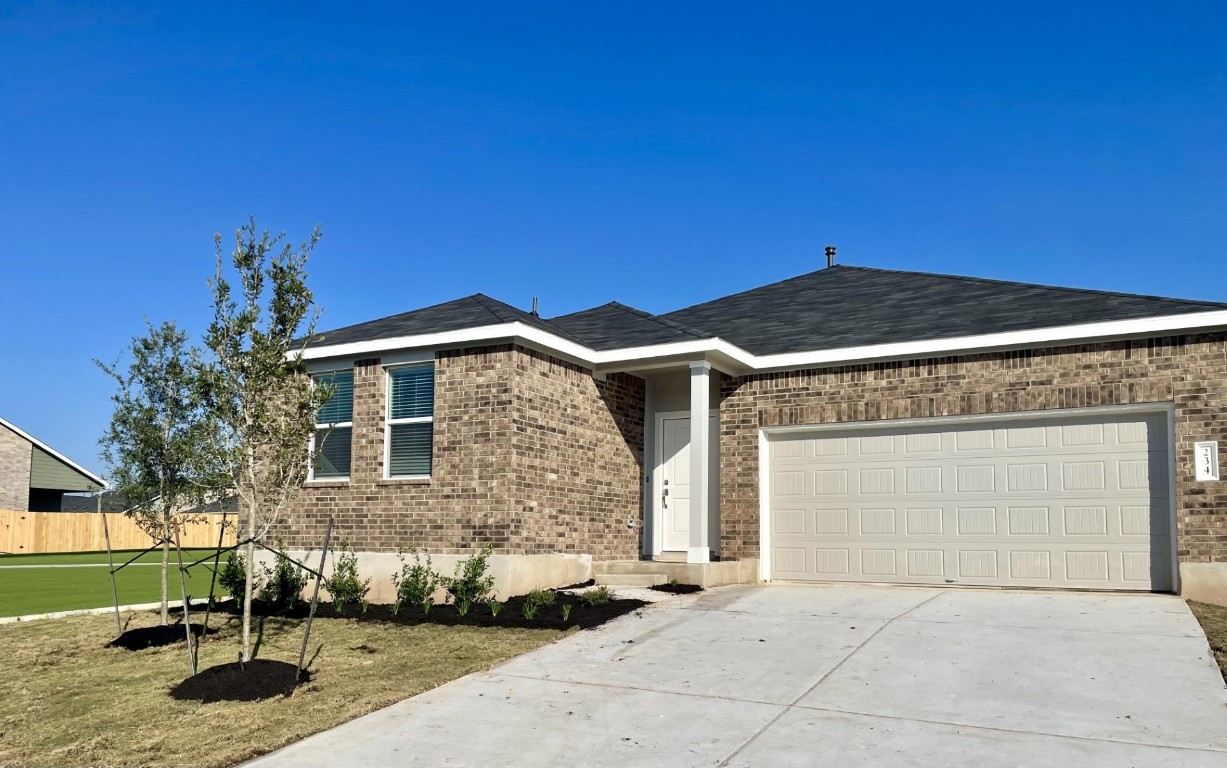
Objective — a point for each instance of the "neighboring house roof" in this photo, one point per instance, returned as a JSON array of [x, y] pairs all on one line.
[[844, 306], [833, 315], [113, 502], [55, 456]]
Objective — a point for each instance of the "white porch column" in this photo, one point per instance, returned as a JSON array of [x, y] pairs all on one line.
[[700, 406]]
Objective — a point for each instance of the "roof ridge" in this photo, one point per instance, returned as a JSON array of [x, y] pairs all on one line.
[[1020, 284], [690, 330], [757, 288], [519, 315], [484, 301]]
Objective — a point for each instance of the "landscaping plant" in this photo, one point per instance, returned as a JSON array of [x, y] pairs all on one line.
[[469, 582], [534, 601], [495, 607], [598, 596], [346, 586], [415, 584], [233, 576], [284, 582], [566, 612]]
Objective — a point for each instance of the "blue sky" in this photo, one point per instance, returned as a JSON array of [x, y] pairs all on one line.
[[659, 154]]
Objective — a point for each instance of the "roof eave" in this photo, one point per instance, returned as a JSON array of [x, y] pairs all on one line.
[[738, 361]]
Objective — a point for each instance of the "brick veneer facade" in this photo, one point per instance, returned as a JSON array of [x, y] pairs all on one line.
[[14, 471], [1188, 371], [531, 454]]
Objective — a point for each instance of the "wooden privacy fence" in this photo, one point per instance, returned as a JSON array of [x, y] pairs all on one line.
[[24, 533]]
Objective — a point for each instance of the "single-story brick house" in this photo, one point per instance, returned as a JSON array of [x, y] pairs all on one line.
[[850, 424]]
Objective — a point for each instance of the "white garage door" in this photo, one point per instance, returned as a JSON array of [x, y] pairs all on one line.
[[1052, 502]]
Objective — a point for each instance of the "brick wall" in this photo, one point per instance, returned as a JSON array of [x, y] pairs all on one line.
[[14, 471], [578, 452], [531, 454], [1189, 371]]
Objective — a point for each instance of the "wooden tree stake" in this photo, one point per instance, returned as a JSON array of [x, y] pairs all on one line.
[[106, 531], [302, 655]]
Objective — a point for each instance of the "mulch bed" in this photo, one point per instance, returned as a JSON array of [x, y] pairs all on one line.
[[582, 615], [677, 589], [258, 679], [155, 637]]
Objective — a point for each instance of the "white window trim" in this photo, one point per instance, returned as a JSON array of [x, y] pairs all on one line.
[[389, 422], [311, 478]]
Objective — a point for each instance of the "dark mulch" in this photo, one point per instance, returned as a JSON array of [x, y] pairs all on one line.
[[155, 637], [258, 679], [583, 615], [677, 589]]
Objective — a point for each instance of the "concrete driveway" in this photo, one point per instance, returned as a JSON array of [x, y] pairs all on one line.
[[844, 676]]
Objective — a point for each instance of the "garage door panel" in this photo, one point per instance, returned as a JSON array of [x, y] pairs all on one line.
[[1054, 502]]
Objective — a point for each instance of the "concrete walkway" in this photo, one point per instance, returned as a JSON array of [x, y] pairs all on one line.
[[845, 676]]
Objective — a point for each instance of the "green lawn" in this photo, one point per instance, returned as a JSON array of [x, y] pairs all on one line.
[[120, 556], [41, 589]]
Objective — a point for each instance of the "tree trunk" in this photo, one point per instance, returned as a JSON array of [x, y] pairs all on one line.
[[249, 587], [165, 574]]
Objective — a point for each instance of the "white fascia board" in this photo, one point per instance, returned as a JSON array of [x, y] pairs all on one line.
[[103, 483], [701, 348]]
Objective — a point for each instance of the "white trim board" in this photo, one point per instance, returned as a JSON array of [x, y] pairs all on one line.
[[103, 483], [733, 359]]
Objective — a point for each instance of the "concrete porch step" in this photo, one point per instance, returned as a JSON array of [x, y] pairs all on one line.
[[630, 579], [629, 567]]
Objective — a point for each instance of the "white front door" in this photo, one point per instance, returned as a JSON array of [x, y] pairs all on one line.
[[674, 491]]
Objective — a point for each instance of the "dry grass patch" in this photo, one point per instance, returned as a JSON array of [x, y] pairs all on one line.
[[65, 699], [1213, 620]]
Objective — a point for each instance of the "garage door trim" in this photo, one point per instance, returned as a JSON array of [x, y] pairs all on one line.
[[766, 434]]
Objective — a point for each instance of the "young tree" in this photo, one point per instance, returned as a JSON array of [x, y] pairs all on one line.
[[258, 386], [156, 435]]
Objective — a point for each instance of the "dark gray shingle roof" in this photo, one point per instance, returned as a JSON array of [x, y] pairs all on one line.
[[614, 326], [470, 312], [846, 306], [840, 306]]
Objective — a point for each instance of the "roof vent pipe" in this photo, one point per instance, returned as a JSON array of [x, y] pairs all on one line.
[[830, 255], [535, 307]]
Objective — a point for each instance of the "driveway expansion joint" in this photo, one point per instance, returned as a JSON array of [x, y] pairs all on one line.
[[1019, 731], [788, 708]]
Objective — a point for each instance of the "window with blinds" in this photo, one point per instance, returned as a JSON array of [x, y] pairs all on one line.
[[334, 427], [411, 415]]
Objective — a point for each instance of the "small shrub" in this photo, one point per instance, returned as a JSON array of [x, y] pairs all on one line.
[[599, 596], [495, 607], [566, 612], [232, 576], [345, 586], [415, 584], [535, 601], [462, 607], [469, 582], [284, 582]]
